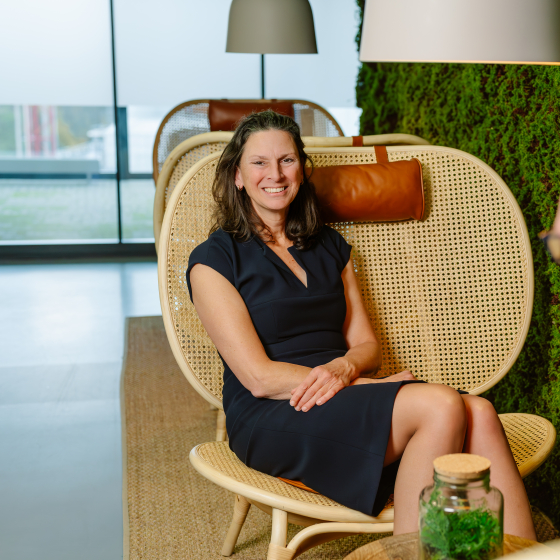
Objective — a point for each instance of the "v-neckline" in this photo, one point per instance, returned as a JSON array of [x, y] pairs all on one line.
[[272, 256]]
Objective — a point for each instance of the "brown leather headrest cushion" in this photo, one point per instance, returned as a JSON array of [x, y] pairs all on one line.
[[224, 115], [377, 192]]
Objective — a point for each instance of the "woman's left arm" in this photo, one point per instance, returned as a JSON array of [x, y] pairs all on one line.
[[364, 350], [363, 358]]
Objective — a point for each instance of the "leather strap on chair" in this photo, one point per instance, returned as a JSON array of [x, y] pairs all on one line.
[[297, 484], [381, 154], [357, 141]]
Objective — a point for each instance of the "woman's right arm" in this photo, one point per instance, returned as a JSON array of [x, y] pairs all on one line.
[[226, 319]]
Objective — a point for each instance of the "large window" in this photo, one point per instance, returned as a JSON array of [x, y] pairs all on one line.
[[57, 152], [62, 178]]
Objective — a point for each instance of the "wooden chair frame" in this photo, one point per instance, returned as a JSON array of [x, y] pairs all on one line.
[[531, 437]]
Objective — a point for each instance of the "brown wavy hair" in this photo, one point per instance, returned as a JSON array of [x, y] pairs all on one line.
[[234, 211]]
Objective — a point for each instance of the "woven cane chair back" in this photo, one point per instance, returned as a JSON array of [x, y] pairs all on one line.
[[196, 153], [179, 161], [191, 118], [186, 154], [450, 297]]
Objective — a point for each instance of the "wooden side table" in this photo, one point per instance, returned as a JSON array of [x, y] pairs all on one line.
[[405, 547]]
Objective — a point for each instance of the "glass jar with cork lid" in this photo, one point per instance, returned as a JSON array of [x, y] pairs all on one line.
[[461, 515]]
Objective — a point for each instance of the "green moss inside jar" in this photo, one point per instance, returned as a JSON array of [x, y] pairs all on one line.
[[461, 515]]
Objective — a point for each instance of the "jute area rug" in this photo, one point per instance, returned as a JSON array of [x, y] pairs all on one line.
[[170, 511]]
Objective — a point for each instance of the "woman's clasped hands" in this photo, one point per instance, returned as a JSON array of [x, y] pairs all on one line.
[[325, 381]]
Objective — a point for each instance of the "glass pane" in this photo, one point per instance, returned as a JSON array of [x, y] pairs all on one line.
[[171, 51], [137, 197], [60, 140], [142, 125], [57, 130], [58, 210], [56, 53]]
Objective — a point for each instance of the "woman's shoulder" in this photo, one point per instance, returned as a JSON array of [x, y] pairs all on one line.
[[330, 234], [219, 237], [336, 245], [217, 253], [218, 242]]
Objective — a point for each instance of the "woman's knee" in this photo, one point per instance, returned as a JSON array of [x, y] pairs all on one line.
[[437, 407], [446, 405], [482, 414]]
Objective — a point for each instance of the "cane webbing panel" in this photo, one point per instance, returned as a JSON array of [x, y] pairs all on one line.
[[314, 121], [187, 161], [191, 223], [449, 296], [219, 455], [190, 119], [531, 439]]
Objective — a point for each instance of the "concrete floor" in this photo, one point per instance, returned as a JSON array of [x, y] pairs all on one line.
[[61, 348]]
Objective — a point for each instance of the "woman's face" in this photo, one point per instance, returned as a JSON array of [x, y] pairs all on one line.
[[270, 172]]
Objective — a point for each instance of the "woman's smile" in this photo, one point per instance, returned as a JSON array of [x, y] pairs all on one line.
[[274, 190]]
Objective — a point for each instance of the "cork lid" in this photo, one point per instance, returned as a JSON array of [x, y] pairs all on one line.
[[462, 465]]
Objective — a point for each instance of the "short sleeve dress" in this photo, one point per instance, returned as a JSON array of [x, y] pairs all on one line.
[[337, 448]]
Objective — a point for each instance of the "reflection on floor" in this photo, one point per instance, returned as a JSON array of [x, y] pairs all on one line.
[[61, 346]]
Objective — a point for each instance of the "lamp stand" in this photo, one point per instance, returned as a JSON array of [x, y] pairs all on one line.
[[262, 76]]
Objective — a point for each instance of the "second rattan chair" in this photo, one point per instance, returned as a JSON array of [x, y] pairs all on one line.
[[450, 298]]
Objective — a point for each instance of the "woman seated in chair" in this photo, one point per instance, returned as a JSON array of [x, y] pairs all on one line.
[[277, 293]]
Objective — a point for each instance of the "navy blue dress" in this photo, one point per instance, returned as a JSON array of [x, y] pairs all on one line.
[[337, 448]]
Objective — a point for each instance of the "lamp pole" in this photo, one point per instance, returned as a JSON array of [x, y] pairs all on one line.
[[262, 76]]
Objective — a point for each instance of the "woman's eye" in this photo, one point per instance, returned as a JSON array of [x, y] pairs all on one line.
[[289, 160]]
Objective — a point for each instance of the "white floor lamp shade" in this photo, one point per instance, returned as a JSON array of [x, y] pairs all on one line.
[[271, 27], [500, 31]]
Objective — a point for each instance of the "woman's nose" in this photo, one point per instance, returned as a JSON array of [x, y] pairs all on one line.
[[275, 172]]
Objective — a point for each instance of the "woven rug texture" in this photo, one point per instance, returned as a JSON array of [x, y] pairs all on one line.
[[170, 511]]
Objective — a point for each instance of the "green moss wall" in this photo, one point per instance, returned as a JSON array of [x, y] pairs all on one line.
[[509, 117]]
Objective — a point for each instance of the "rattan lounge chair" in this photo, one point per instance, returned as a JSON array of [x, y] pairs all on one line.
[[450, 298], [191, 118]]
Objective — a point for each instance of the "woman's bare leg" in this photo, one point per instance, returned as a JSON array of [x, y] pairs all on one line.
[[428, 421], [486, 437]]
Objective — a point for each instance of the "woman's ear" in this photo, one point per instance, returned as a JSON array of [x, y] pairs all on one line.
[[238, 179]]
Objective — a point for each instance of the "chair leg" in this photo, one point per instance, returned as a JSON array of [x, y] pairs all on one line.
[[221, 433], [277, 548], [240, 511]]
